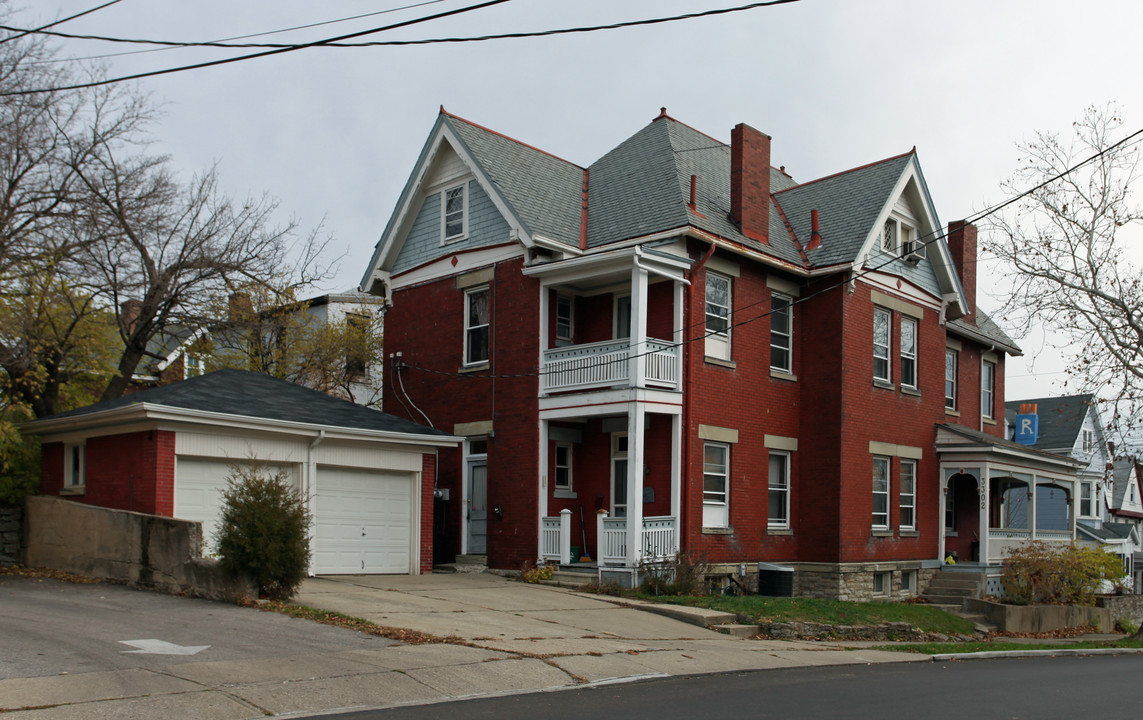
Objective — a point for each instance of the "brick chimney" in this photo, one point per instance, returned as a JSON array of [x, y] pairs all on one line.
[[750, 182], [962, 244]]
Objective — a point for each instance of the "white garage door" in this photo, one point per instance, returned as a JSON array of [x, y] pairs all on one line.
[[364, 521], [198, 494]]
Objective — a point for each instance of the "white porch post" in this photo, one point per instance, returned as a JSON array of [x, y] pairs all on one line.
[[677, 477], [565, 536], [679, 336], [1032, 507], [985, 486], [542, 485], [638, 340], [636, 422], [543, 384], [942, 502]]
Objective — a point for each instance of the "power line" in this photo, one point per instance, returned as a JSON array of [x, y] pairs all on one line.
[[42, 28], [210, 43], [336, 42], [934, 237], [279, 51]]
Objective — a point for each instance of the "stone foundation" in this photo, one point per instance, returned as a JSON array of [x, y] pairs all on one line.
[[834, 581]]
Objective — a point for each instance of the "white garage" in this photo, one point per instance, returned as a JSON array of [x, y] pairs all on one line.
[[366, 476]]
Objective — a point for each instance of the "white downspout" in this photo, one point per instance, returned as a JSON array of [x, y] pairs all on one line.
[[311, 488]]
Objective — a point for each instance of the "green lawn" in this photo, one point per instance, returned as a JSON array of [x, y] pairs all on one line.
[[758, 609]]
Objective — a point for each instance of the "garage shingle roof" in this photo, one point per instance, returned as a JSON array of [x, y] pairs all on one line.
[[254, 395]]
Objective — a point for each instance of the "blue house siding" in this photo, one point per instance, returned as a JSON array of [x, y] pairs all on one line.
[[486, 226], [920, 274]]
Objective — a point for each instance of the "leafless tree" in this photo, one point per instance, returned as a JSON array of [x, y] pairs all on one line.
[[1070, 244]]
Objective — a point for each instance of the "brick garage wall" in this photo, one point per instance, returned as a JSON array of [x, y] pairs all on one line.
[[428, 479], [426, 325], [129, 471]]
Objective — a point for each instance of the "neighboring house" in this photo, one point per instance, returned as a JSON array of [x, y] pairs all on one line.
[[681, 347], [1071, 426], [179, 353], [368, 477], [1127, 509]]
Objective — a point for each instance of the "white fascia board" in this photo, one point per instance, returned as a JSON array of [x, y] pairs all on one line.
[[944, 269], [149, 412], [414, 193], [983, 449], [174, 354], [888, 284], [590, 264], [556, 245], [467, 261]]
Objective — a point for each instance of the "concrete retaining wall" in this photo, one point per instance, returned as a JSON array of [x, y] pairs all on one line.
[[143, 550], [11, 535], [1040, 618]]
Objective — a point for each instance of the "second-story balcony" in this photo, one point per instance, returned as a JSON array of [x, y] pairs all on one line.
[[611, 364]]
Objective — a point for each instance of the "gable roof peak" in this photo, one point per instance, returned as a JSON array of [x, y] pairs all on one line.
[[845, 172], [478, 126]]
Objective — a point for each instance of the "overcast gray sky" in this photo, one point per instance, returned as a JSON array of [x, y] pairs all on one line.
[[334, 133]]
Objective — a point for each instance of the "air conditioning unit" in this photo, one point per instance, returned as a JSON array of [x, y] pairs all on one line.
[[913, 252]]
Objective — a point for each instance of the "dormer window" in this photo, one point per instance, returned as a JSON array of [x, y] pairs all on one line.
[[454, 213], [889, 236], [900, 238]]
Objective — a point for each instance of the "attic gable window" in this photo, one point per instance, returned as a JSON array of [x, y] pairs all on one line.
[[899, 238], [889, 236], [454, 213]]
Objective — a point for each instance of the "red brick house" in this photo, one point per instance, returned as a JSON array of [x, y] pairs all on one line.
[[681, 347]]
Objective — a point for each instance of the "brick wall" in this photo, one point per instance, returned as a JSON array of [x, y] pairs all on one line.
[[428, 478], [129, 471]]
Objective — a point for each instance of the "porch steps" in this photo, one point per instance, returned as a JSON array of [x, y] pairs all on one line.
[[950, 588], [464, 564], [573, 577]]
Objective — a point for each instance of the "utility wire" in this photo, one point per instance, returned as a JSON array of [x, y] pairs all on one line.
[[279, 51], [336, 41], [933, 237], [212, 43], [43, 28]]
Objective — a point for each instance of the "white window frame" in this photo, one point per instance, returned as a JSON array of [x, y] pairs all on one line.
[[909, 354], [444, 195], [908, 581], [716, 511], [566, 467], [1087, 498], [782, 306], [881, 519], [1088, 437], [781, 492], [882, 583], [907, 495], [193, 366], [75, 466], [987, 389], [565, 321], [950, 382], [469, 328], [881, 350], [621, 316], [889, 236], [718, 324], [619, 451]]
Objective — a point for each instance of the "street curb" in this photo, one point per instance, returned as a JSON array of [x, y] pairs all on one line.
[[1058, 652]]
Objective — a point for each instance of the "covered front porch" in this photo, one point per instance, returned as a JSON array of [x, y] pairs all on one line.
[[996, 494], [610, 482]]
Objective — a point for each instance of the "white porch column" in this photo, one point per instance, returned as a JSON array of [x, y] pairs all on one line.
[[542, 485], [544, 310], [942, 497], [677, 477], [1032, 507], [636, 423], [638, 341], [985, 486], [565, 536]]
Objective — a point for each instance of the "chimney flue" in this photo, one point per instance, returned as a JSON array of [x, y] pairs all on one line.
[[815, 232]]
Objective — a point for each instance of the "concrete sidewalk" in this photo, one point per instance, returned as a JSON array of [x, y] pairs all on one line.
[[516, 637]]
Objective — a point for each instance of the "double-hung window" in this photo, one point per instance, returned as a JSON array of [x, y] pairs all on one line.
[[908, 494], [908, 352], [880, 493], [882, 334], [74, 466], [1088, 440], [564, 466], [950, 379], [1087, 499], [716, 485], [564, 318], [718, 299], [987, 387], [781, 333], [779, 496], [476, 326], [454, 213]]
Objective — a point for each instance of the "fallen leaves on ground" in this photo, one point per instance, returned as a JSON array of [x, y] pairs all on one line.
[[45, 574]]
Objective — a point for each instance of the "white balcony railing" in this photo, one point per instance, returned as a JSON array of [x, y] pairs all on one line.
[[606, 364], [660, 539]]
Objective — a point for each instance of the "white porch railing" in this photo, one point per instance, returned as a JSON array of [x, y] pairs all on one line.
[[660, 539], [605, 364], [1000, 540], [555, 538]]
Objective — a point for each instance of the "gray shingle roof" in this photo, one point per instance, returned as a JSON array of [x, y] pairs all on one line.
[[544, 191], [848, 205], [987, 439], [982, 324], [254, 395], [1108, 531], [1121, 478], [1061, 418]]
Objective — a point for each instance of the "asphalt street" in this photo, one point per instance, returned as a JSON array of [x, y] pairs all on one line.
[[53, 628], [1045, 688]]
